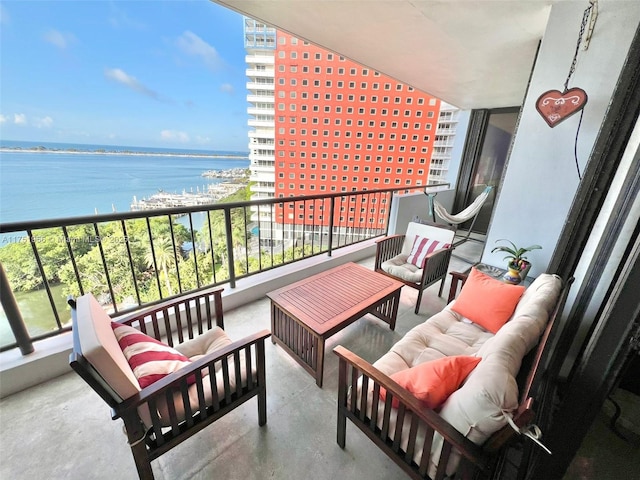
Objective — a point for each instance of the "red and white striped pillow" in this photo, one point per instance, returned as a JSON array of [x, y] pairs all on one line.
[[422, 247], [150, 359]]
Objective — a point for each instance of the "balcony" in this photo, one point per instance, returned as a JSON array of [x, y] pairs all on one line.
[[67, 404]]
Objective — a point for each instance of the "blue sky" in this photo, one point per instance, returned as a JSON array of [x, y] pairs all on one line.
[[137, 73]]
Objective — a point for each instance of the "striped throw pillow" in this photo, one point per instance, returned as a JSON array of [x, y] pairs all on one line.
[[150, 359], [422, 247]]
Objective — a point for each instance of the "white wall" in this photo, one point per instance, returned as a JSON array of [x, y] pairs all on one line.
[[543, 156]]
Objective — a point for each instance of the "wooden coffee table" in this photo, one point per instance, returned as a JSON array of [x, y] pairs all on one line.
[[306, 313]]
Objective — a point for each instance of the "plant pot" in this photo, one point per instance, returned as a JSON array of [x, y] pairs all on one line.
[[512, 276], [525, 271]]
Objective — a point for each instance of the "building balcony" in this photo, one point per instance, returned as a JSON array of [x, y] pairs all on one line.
[[259, 59], [254, 98], [67, 404], [252, 122], [261, 111]]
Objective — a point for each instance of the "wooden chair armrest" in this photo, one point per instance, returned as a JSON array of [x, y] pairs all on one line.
[[389, 238], [387, 248], [436, 264], [158, 389], [407, 401]]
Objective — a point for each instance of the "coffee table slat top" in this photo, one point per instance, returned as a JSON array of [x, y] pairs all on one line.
[[325, 300]]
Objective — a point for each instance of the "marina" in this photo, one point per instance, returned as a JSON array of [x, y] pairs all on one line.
[[206, 196], [209, 194]]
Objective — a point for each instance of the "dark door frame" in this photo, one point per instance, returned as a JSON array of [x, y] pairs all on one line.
[[474, 143]]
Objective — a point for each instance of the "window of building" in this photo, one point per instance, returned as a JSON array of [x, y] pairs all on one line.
[[318, 56]]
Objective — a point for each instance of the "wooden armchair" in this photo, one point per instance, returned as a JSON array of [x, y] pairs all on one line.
[[218, 376], [425, 267]]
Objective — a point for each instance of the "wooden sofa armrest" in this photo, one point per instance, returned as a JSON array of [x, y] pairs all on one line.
[[351, 369], [387, 248], [456, 277], [175, 320]]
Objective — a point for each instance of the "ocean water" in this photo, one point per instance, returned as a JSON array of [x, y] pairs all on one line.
[[35, 186], [42, 185]]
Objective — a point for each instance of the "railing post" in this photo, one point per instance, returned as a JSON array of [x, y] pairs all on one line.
[[229, 235], [13, 314], [331, 210]]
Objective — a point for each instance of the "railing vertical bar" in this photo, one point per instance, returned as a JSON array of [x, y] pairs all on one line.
[[114, 302], [73, 259], [153, 258], [272, 233], [331, 212], [45, 282], [246, 236], [213, 256], [193, 251], [294, 234], [259, 239], [229, 233], [133, 272], [175, 251]]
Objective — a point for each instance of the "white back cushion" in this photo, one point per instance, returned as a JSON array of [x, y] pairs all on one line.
[[100, 347], [431, 232]]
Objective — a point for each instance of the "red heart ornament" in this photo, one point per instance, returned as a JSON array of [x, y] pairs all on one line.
[[555, 106]]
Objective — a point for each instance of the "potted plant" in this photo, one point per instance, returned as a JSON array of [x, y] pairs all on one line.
[[517, 266]]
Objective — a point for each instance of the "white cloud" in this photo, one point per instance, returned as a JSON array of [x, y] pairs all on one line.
[[46, 122], [59, 39], [19, 119], [175, 136], [122, 77], [227, 88], [193, 45], [3, 119]]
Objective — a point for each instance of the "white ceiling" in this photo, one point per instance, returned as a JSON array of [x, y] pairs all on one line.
[[469, 53]]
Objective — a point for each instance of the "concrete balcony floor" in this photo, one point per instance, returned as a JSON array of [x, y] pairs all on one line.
[[61, 429]]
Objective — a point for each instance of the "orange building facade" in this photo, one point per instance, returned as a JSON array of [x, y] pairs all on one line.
[[343, 127]]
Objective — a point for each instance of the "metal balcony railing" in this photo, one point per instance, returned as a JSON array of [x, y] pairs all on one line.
[[134, 259]]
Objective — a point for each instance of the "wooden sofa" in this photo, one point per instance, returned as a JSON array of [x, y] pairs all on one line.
[[218, 376], [463, 435], [394, 256]]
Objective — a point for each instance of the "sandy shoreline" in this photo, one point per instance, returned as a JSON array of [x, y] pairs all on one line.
[[122, 152]]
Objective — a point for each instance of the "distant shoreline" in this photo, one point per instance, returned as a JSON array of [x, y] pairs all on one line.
[[120, 152]]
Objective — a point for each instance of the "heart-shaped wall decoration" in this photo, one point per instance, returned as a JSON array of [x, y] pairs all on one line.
[[555, 106]]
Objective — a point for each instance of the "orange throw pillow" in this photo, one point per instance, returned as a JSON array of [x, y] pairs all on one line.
[[432, 382], [487, 301]]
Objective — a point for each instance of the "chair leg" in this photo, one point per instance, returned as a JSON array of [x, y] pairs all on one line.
[[441, 287], [135, 436], [418, 301]]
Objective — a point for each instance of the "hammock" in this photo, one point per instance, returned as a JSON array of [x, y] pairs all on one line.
[[467, 214]]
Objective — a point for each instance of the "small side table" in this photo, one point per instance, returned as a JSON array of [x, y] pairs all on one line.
[[458, 278]]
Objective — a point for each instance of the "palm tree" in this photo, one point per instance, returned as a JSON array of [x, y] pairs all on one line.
[[164, 257]]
